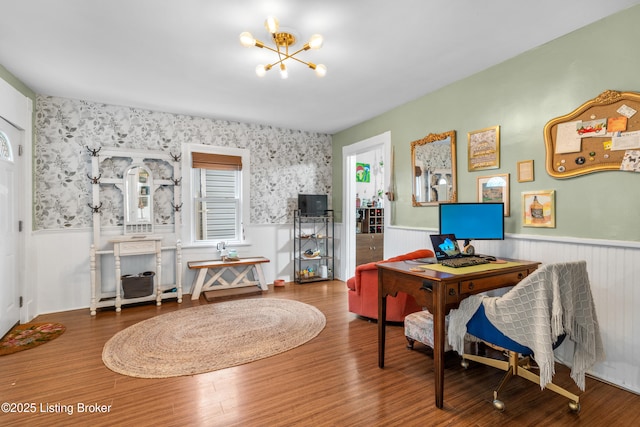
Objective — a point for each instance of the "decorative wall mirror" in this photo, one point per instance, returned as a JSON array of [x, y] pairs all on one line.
[[138, 200], [433, 162]]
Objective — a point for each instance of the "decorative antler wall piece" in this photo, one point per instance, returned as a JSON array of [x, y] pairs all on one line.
[[95, 179], [177, 208], [95, 209], [175, 157], [94, 152], [176, 182]]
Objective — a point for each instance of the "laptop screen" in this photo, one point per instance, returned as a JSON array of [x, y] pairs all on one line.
[[445, 246]]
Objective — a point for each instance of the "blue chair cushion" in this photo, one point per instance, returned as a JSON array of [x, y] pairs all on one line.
[[479, 326]]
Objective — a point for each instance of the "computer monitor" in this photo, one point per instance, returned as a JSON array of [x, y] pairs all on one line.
[[472, 221]]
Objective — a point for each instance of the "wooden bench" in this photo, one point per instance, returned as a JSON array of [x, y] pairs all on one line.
[[216, 269]]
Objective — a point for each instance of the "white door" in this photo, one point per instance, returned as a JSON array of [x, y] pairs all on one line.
[[10, 138]]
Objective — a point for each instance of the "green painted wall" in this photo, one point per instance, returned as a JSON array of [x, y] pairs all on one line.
[[522, 95]]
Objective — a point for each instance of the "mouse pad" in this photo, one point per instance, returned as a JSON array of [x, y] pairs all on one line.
[[470, 269]]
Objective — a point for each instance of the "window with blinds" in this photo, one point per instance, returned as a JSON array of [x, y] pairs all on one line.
[[217, 200]]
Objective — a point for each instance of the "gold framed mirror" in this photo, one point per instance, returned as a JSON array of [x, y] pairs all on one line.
[[433, 169]]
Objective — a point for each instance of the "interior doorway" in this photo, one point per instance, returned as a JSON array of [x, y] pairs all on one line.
[[349, 160]]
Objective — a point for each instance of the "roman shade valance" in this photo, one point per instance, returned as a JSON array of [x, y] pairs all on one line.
[[215, 161]]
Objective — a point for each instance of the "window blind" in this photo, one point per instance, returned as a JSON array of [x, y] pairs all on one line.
[[218, 205]]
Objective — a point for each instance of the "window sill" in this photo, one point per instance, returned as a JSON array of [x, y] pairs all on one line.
[[210, 245]]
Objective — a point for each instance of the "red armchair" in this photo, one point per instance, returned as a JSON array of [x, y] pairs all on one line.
[[363, 291]]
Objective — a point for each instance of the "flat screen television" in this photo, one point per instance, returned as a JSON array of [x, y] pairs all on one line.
[[472, 221], [312, 204]]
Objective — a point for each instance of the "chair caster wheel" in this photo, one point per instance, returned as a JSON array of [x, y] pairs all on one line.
[[574, 406], [498, 404], [464, 363]]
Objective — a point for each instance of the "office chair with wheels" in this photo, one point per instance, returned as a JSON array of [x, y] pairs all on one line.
[[551, 305]]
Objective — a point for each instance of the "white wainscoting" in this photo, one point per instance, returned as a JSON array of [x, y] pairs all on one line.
[[614, 272], [59, 267], [59, 264]]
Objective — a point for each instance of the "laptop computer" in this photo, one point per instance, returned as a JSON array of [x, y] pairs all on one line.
[[448, 252], [445, 246]]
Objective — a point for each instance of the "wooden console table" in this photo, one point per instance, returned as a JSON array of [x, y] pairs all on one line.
[[133, 245], [217, 268], [439, 292]]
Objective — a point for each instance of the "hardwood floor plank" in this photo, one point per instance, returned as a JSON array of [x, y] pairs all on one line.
[[333, 380]]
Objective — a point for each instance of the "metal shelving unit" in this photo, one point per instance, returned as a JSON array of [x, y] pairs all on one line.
[[313, 247]]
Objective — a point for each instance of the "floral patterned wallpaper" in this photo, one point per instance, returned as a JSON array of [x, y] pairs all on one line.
[[284, 162]]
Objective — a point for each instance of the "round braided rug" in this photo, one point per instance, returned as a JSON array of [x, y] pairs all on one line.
[[211, 337]]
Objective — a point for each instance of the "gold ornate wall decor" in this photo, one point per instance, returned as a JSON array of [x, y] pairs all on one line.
[[433, 162], [601, 134]]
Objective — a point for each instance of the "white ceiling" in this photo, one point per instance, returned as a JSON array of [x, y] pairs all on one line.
[[184, 56]]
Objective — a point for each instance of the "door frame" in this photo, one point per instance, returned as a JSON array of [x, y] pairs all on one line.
[[349, 154], [17, 109]]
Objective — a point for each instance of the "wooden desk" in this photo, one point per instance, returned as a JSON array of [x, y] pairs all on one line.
[[439, 292], [239, 268]]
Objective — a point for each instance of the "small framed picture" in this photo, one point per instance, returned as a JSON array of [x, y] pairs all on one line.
[[363, 172], [538, 209], [484, 149], [525, 171], [494, 188]]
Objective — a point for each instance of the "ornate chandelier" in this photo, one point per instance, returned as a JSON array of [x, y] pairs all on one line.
[[283, 41]]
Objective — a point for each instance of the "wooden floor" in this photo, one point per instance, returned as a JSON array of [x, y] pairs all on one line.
[[333, 380]]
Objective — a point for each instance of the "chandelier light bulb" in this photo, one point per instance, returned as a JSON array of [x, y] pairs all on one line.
[[315, 42], [271, 24], [247, 40], [321, 70], [283, 71], [261, 70]]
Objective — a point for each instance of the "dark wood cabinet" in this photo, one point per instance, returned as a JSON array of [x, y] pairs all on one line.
[[370, 235], [369, 248]]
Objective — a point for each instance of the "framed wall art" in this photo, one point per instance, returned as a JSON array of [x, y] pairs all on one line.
[[525, 171], [494, 188], [484, 149], [363, 172], [538, 209]]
